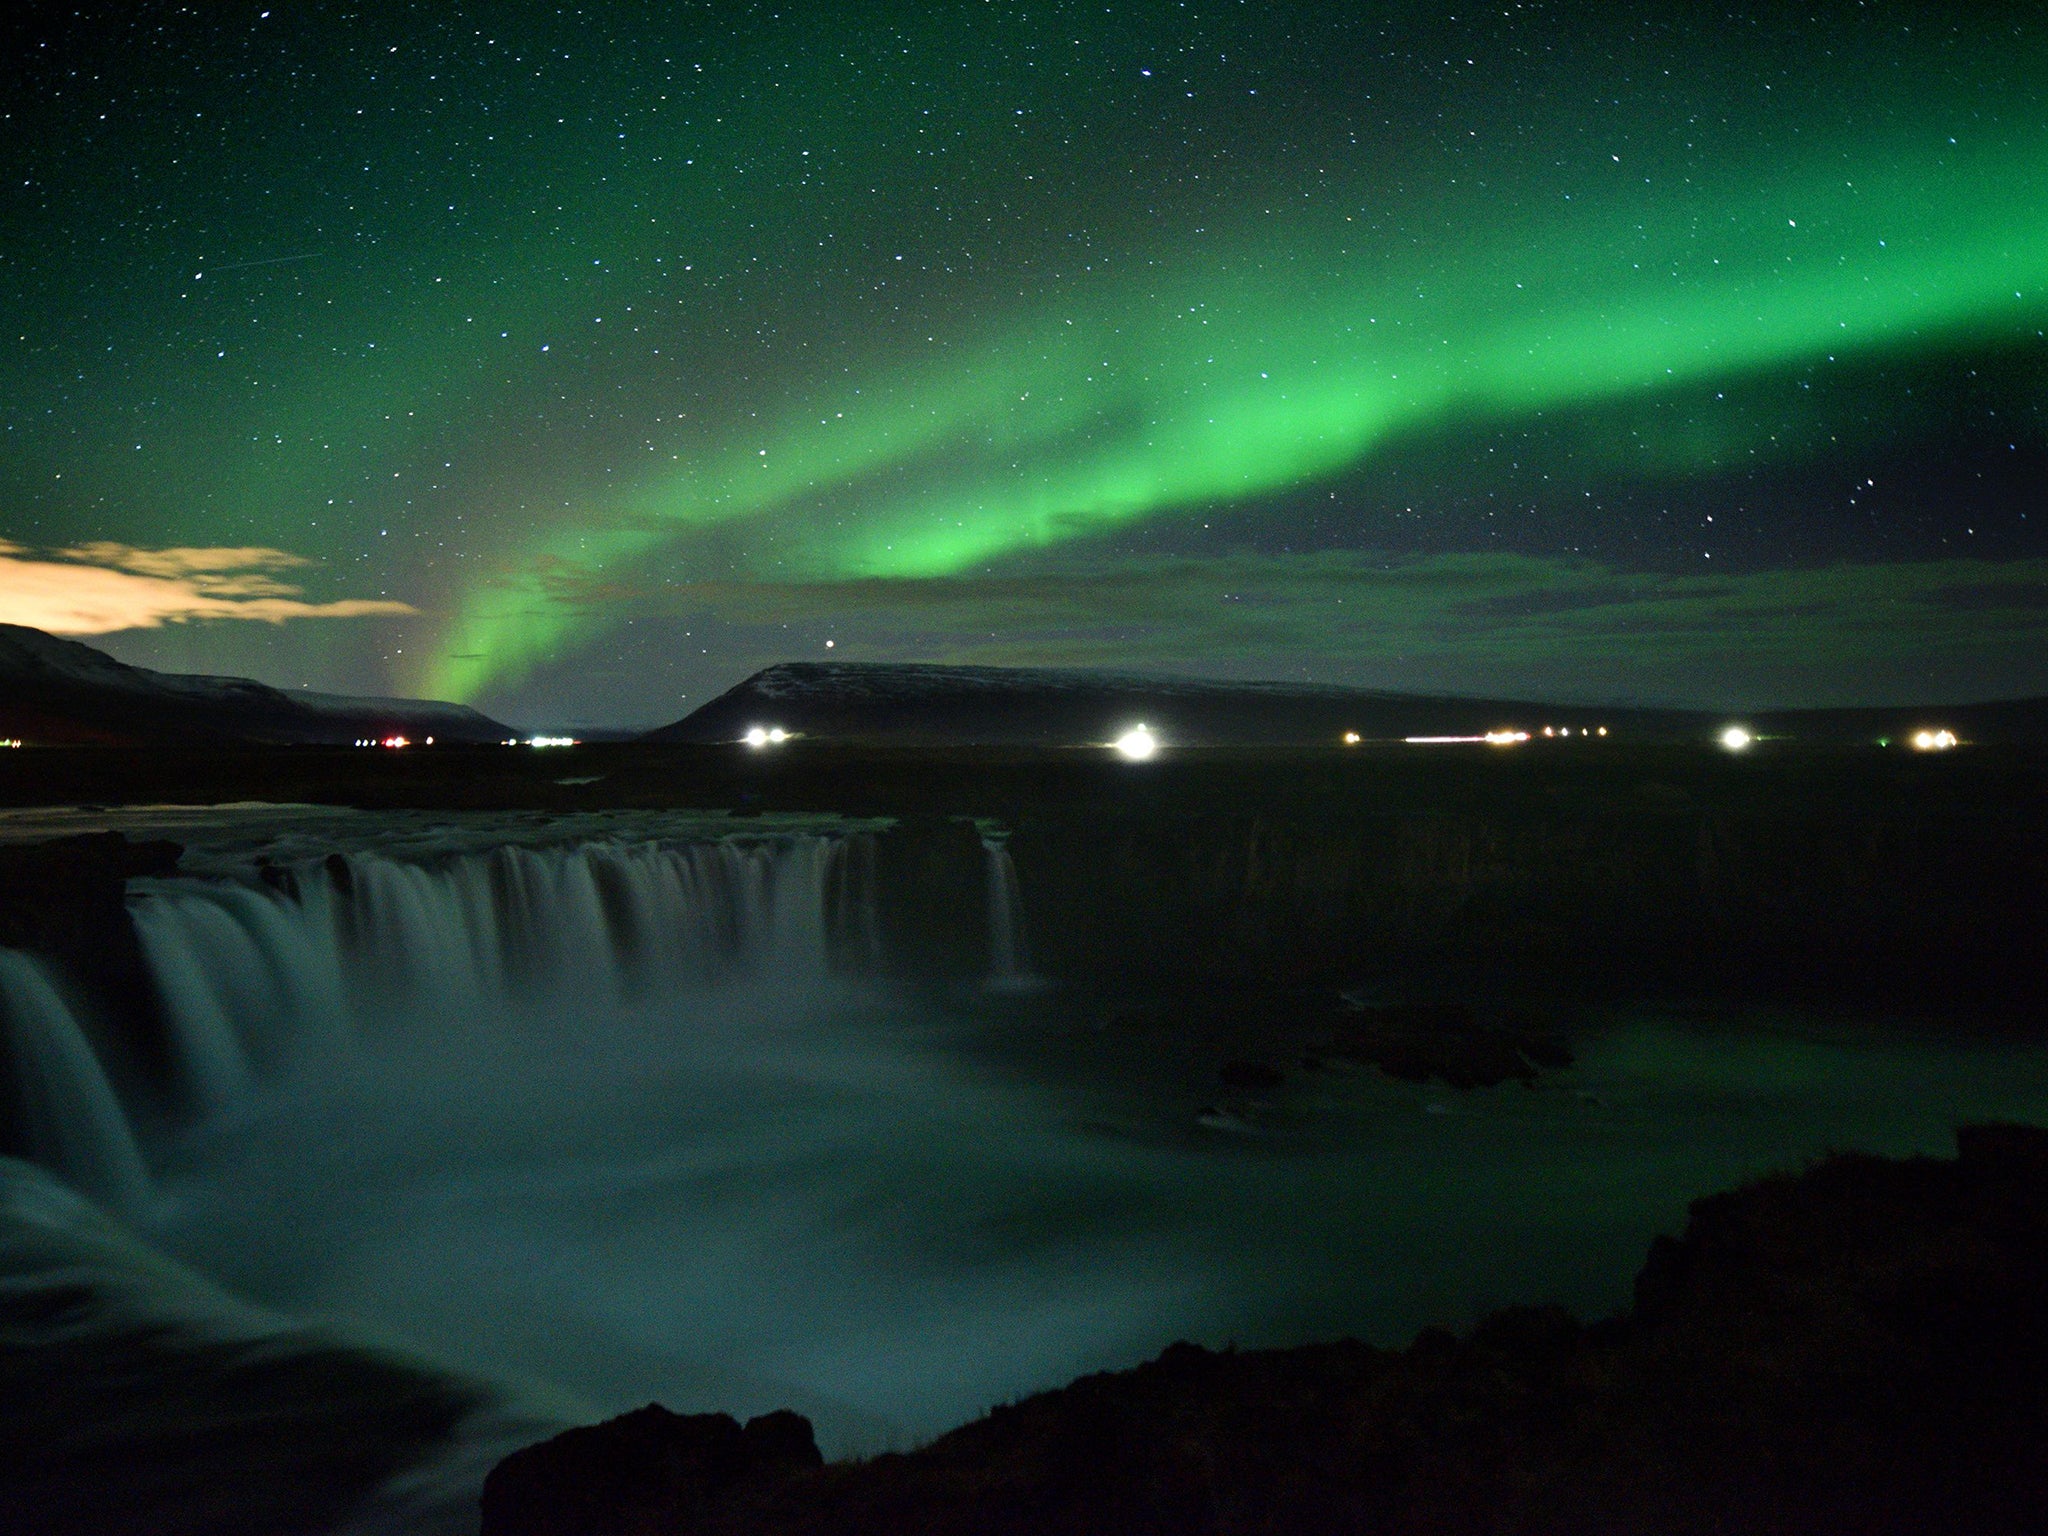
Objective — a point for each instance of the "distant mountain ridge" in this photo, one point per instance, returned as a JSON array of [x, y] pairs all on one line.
[[914, 703], [61, 691]]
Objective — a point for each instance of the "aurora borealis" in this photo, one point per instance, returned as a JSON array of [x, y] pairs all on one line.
[[577, 362]]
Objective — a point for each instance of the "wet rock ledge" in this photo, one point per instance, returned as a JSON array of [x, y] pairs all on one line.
[[1859, 1348]]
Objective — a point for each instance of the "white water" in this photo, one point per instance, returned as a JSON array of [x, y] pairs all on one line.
[[74, 1119], [1008, 962], [247, 972]]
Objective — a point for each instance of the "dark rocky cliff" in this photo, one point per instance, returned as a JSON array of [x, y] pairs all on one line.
[[1927, 912]]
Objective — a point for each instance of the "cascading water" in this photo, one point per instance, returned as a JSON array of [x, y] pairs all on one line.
[[1008, 960], [74, 1119], [599, 1111], [335, 946], [342, 979]]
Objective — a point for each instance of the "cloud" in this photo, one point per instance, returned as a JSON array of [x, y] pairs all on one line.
[[100, 587]]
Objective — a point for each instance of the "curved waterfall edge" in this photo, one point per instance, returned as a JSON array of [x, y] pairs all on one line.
[[245, 968]]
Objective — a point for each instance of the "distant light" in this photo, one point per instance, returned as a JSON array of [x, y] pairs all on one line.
[[551, 741], [1603, 730], [759, 736], [1933, 741], [1736, 739], [778, 735], [1549, 731], [9, 742], [1136, 744], [430, 741], [1439, 741], [1352, 738], [1506, 738], [394, 741]]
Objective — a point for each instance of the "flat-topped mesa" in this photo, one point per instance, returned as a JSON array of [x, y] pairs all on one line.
[[922, 704], [59, 691]]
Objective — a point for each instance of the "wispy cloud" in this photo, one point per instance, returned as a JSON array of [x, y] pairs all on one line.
[[100, 587]]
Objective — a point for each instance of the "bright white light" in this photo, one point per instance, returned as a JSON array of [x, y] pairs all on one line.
[[1506, 738], [1136, 744], [1736, 739], [1933, 741], [765, 736], [551, 741], [395, 741], [778, 735], [1351, 738]]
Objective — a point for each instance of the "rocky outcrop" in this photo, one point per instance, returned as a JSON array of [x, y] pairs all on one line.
[[646, 1471], [1915, 910], [1858, 1349], [1257, 1035], [931, 894]]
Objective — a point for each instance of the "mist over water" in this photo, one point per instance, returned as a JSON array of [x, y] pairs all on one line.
[[814, 1198], [600, 1122], [760, 1185]]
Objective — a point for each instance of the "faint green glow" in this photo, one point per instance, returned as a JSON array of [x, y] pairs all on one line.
[[1270, 362]]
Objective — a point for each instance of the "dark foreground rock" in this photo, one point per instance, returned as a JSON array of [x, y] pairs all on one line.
[[1861, 1348], [649, 1470]]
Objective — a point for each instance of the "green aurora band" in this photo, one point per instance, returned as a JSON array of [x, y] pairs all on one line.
[[1245, 365]]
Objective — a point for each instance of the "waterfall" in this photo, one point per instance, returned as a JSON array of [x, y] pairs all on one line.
[[247, 970], [74, 1119], [1007, 959]]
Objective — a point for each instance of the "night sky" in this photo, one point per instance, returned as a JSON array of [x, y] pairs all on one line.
[[576, 362]]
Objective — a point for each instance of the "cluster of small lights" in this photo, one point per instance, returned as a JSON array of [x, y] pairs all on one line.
[[1136, 744], [1934, 741], [1507, 736], [1565, 730], [9, 742], [759, 736], [550, 741], [393, 742]]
